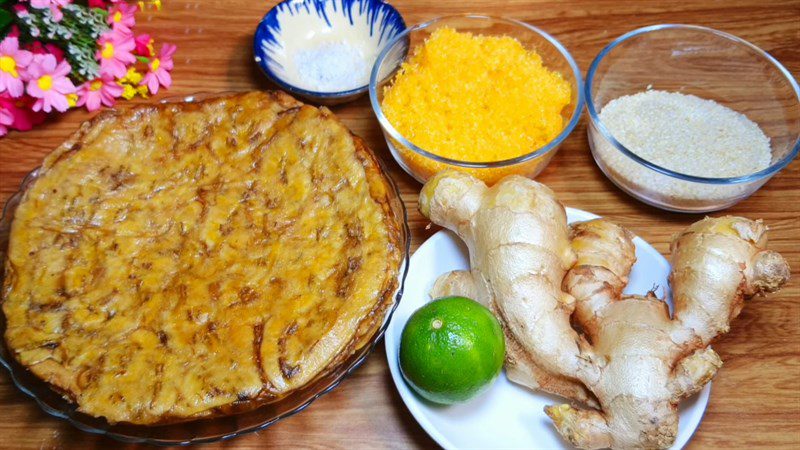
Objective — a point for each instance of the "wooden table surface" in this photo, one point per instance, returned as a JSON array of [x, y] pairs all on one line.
[[755, 400]]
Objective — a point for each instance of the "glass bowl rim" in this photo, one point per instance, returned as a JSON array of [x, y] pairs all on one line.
[[551, 145], [326, 95], [20, 377], [595, 117]]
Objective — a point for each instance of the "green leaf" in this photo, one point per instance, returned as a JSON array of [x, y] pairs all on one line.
[[5, 20]]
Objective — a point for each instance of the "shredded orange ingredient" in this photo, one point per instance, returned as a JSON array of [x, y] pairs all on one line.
[[475, 98]]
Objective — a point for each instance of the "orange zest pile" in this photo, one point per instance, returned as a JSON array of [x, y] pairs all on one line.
[[476, 98]]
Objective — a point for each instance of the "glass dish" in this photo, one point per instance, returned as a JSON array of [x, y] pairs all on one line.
[[709, 64], [202, 430], [420, 163]]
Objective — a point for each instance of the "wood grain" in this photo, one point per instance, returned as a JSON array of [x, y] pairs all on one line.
[[755, 401]]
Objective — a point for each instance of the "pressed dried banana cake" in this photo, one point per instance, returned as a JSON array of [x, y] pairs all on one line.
[[186, 260]]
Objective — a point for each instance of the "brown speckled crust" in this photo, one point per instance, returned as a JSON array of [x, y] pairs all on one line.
[[185, 260]]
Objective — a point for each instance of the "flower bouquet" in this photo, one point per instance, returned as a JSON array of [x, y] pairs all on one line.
[[59, 54]]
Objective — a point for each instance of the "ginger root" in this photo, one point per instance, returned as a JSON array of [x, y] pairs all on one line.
[[629, 362]]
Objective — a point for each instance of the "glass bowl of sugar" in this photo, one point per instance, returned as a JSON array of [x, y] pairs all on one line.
[[323, 50], [690, 119]]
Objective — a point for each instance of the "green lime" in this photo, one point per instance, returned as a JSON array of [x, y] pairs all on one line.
[[451, 350]]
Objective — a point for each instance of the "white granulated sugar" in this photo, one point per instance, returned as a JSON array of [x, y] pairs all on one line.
[[332, 67], [686, 134]]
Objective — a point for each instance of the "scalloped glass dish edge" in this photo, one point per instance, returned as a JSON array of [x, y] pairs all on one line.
[[201, 430]]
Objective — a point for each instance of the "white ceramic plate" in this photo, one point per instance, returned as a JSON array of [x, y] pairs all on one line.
[[507, 415]]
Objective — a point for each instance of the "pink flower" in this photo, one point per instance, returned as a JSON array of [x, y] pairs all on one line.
[[144, 45], [21, 11], [49, 83], [13, 64], [159, 69], [54, 5], [101, 91], [24, 118], [122, 17], [6, 119], [101, 3], [114, 53], [37, 48]]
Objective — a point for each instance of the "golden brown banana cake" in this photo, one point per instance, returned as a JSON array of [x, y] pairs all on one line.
[[178, 261]]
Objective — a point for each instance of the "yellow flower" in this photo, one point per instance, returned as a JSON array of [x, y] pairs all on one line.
[[132, 76], [128, 91], [72, 100], [130, 85], [154, 3]]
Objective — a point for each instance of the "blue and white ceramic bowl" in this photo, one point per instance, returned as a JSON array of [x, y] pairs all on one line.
[[323, 50]]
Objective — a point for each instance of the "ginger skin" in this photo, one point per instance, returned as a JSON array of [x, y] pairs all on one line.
[[516, 272], [631, 363]]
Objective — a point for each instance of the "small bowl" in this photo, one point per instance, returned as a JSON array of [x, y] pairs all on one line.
[[336, 39], [709, 64], [422, 164]]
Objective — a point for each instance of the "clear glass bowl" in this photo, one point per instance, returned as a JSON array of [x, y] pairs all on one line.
[[202, 430], [420, 163], [709, 64]]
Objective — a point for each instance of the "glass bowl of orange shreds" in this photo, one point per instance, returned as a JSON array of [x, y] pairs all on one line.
[[485, 95]]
